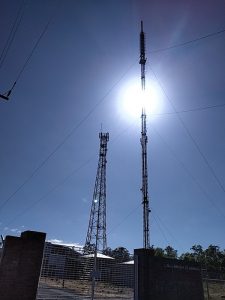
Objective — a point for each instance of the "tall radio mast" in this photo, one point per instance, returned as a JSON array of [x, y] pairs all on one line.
[[144, 141]]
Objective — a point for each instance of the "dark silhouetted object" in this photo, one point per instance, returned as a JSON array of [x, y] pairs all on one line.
[[159, 278], [144, 141], [7, 94], [96, 234], [5, 97], [20, 266]]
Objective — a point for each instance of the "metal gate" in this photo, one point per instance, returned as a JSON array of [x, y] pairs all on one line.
[[67, 274]]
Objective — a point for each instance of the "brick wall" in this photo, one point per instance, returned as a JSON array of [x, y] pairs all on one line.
[[20, 266], [158, 278]]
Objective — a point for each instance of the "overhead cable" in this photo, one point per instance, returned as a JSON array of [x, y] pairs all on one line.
[[191, 136], [50, 191], [187, 42], [31, 53], [74, 129], [64, 180], [189, 110], [13, 32], [194, 179]]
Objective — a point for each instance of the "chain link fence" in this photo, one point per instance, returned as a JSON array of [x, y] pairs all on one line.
[[67, 273]]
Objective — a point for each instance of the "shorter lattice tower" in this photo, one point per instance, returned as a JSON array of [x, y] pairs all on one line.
[[96, 235]]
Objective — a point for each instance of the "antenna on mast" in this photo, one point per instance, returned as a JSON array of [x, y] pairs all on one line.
[[144, 141], [143, 59]]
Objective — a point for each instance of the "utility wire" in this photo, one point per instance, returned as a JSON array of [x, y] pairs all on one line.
[[112, 142], [191, 136], [65, 179], [194, 179], [35, 171], [91, 111], [50, 191], [189, 110], [32, 52], [161, 230], [167, 229], [121, 133], [19, 75], [133, 210], [13, 32], [125, 218], [187, 42]]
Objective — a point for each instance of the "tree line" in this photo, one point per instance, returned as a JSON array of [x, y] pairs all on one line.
[[211, 258]]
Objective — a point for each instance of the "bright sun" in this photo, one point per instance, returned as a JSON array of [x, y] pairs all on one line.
[[134, 99]]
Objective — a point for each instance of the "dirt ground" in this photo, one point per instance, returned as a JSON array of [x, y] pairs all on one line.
[[215, 290], [82, 287]]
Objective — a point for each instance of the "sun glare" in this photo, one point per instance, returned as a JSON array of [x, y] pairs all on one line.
[[134, 99]]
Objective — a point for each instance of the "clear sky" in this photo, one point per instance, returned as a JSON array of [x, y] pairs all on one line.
[[75, 81]]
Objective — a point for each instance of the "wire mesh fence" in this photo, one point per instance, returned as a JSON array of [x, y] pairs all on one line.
[[67, 273], [213, 284], [214, 289]]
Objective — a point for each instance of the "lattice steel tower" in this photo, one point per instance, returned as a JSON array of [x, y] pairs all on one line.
[[96, 234], [144, 141]]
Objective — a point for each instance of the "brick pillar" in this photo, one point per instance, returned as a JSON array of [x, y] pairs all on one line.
[[142, 267], [159, 278], [20, 266]]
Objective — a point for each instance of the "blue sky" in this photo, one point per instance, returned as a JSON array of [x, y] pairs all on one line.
[[74, 82]]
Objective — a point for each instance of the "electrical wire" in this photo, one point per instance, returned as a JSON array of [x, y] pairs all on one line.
[[125, 218], [190, 135], [86, 117], [161, 230], [133, 210], [50, 191], [64, 180], [91, 111], [187, 42], [189, 110], [113, 141], [33, 49], [118, 136], [169, 231], [64, 139], [13, 32], [27, 61], [194, 179]]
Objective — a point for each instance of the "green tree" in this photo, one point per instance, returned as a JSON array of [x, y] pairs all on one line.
[[187, 257], [121, 254], [213, 258], [159, 252], [170, 252], [198, 254], [223, 260], [108, 251]]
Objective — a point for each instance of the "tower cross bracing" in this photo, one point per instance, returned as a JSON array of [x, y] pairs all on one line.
[[96, 239], [144, 141]]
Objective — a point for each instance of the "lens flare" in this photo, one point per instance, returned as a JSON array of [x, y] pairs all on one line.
[[134, 99]]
